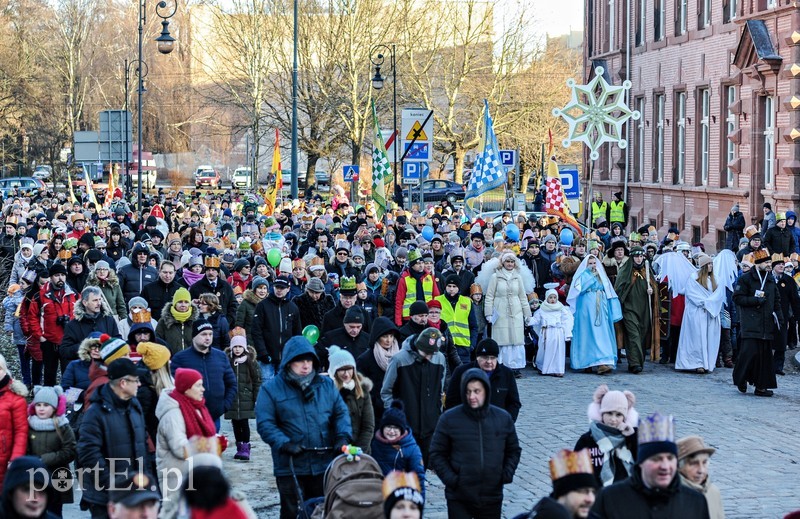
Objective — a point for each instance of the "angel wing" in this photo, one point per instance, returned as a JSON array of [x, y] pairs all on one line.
[[677, 270], [162, 226], [485, 275], [528, 280], [725, 269]]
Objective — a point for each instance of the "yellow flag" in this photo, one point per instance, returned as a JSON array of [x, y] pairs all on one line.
[[276, 180]]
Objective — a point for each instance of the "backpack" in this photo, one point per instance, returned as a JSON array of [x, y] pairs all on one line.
[[353, 489]]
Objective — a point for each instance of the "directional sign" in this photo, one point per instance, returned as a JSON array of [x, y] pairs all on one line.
[[508, 158], [417, 122], [413, 170], [350, 173], [570, 181]]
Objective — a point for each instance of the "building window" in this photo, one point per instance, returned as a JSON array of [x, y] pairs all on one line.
[[681, 14], [768, 103], [660, 20], [641, 20], [703, 14], [640, 147], [679, 155], [729, 10], [704, 129], [730, 128], [658, 128], [696, 234], [771, 3]]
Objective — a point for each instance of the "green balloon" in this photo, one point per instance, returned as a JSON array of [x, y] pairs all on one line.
[[274, 257], [311, 333]]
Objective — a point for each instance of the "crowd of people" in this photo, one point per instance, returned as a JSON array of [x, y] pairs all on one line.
[[401, 336]]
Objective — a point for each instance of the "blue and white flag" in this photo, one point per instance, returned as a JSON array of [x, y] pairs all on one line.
[[488, 173]]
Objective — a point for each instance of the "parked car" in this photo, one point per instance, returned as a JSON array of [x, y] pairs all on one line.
[[438, 190], [19, 185], [201, 168], [322, 178], [286, 177], [242, 178], [208, 179], [43, 172]]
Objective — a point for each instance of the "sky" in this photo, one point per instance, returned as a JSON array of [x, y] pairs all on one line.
[[555, 17]]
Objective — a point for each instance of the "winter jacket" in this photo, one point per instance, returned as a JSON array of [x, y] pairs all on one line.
[[111, 429], [178, 336], [408, 281], [755, 315], [82, 325], [57, 449], [11, 324], [368, 366], [19, 268], [158, 294], [504, 389], [465, 280], [44, 313], [172, 446], [13, 423], [632, 499], [222, 339], [779, 241], [475, 451], [335, 319], [248, 381], [362, 417], [274, 323], [77, 372], [403, 454], [227, 302], [587, 441], [313, 312], [711, 492], [133, 279], [245, 312], [112, 292], [734, 227], [355, 345], [235, 280], [29, 322], [419, 383], [218, 377], [794, 228], [284, 415], [506, 295]]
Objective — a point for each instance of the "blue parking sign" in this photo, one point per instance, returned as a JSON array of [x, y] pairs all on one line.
[[508, 158]]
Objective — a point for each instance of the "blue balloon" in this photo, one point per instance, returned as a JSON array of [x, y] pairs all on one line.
[[566, 237], [512, 232], [427, 232]]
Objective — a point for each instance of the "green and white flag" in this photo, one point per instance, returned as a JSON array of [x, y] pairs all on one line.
[[381, 168]]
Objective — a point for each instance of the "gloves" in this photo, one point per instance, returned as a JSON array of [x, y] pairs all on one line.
[[339, 444], [626, 429], [292, 449]]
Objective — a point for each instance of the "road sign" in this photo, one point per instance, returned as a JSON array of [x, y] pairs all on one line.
[[390, 141], [570, 181], [86, 146], [115, 136], [419, 122], [412, 171], [350, 173], [508, 158]]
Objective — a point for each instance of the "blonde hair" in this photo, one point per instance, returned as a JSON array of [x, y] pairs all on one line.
[[703, 275], [162, 379], [358, 390]]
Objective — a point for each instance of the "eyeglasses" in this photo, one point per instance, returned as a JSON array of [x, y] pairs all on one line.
[[132, 380], [341, 254]]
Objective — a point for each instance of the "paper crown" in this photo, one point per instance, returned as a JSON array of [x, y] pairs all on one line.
[[750, 232], [657, 428], [64, 254], [102, 223], [347, 284], [567, 462], [342, 244], [208, 233], [635, 236], [780, 216], [141, 316], [43, 234], [794, 256], [592, 244], [211, 262], [257, 246], [396, 479], [778, 258], [12, 220], [316, 263], [413, 255], [748, 259], [672, 236], [760, 256], [475, 289]]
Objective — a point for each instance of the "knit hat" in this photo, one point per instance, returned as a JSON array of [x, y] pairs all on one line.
[[57, 268], [604, 401], [201, 325], [339, 358], [452, 279], [429, 341], [185, 378], [239, 340], [112, 348], [47, 395], [401, 252], [24, 469], [394, 415], [315, 285], [433, 303], [401, 486], [181, 294], [102, 264], [258, 281], [487, 348], [154, 355], [353, 315], [137, 301], [38, 248], [418, 308]]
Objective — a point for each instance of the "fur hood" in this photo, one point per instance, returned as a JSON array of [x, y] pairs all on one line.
[[249, 351], [112, 279], [17, 387], [170, 321], [85, 347], [79, 311], [251, 297], [366, 384]]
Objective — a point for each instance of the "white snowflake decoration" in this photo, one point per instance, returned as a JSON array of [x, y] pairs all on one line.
[[596, 113]]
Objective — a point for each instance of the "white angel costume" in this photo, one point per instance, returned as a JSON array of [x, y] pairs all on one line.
[[552, 322]]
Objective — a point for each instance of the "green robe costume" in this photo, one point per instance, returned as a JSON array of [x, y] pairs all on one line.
[[640, 311]]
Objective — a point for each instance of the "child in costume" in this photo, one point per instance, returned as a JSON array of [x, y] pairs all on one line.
[[552, 322]]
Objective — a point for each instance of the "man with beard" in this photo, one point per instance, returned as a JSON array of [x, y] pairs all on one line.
[[759, 302], [637, 289], [78, 226], [574, 488]]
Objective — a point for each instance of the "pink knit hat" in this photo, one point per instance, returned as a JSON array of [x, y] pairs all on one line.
[[605, 401]]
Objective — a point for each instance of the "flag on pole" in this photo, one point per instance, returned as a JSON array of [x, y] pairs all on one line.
[[381, 170], [90, 189], [488, 173], [110, 190], [72, 198], [276, 179], [555, 202]]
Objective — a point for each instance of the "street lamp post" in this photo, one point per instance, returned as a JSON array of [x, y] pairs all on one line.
[[377, 83], [131, 67], [165, 45]]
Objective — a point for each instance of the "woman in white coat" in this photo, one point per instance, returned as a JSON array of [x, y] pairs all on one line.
[[507, 310]]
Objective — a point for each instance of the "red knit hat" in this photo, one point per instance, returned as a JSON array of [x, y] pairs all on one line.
[[185, 378], [433, 303]]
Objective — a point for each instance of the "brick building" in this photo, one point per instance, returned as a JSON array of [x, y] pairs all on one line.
[[718, 85]]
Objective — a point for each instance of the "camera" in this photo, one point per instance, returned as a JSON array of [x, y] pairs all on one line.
[[62, 320]]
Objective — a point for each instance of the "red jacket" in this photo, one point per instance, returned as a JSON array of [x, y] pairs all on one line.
[[33, 347], [235, 280], [43, 314], [13, 424]]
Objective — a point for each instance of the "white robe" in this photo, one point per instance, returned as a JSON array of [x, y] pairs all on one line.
[[551, 357], [698, 345]]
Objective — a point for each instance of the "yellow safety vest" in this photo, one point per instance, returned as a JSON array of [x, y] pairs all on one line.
[[617, 212], [457, 319], [599, 210], [411, 292]]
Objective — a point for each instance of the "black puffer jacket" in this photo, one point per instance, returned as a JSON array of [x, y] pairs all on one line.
[[779, 241], [631, 499], [334, 319], [158, 294], [504, 389], [133, 279], [274, 323], [82, 325], [475, 451], [755, 314], [111, 428], [248, 378], [313, 312], [355, 345]]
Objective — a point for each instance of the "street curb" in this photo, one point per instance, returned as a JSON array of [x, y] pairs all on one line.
[[796, 359]]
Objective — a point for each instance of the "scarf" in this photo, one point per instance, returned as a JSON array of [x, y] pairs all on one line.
[[241, 359], [181, 317], [611, 441], [191, 278], [382, 356], [551, 307], [195, 415], [303, 383], [351, 385], [46, 424]]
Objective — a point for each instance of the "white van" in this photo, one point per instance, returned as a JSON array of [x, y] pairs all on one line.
[[242, 178]]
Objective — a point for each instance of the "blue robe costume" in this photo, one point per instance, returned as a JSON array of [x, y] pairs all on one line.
[[593, 340]]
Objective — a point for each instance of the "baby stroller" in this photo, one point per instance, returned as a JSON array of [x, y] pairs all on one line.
[[352, 489]]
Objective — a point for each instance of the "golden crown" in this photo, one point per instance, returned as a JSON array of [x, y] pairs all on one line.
[[567, 462], [657, 428], [141, 316]]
